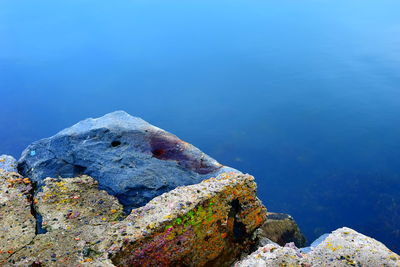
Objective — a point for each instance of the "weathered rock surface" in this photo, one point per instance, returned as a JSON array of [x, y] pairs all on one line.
[[343, 247], [8, 163], [62, 248], [17, 224], [211, 223], [281, 229], [77, 216], [208, 223], [72, 203], [130, 158]]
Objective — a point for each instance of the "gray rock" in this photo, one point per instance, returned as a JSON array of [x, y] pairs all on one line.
[[17, 224], [343, 247], [74, 202], [130, 158], [8, 163], [280, 228], [77, 216], [314, 244]]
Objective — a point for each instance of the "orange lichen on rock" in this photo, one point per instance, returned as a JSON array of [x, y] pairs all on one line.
[[17, 179], [210, 223]]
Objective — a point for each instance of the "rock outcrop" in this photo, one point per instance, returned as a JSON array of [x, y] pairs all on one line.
[[210, 223], [280, 228], [343, 247], [130, 158], [76, 215]]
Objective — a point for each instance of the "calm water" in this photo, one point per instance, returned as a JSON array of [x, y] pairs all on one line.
[[304, 95]]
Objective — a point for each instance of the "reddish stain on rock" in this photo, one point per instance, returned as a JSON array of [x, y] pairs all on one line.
[[169, 147]]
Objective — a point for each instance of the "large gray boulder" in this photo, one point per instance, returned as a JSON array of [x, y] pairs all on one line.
[[130, 158]]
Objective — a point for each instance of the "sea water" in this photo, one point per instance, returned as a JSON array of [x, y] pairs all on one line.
[[304, 95]]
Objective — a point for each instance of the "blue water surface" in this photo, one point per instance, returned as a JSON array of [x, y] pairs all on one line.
[[304, 95]]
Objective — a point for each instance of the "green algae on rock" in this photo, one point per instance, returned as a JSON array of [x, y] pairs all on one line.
[[209, 223]]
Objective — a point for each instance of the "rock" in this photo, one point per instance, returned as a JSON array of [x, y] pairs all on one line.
[[343, 247], [61, 248], [272, 255], [77, 216], [281, 229], [17, 224], [210, 223], [130, 158], [75, 202], [316, 242], [349, 247], [8, 163]]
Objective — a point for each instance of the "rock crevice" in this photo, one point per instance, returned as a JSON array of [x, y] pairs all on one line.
[[17, 222], [210, 223]]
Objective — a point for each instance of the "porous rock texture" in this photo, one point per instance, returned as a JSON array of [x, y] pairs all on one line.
[[72, 203], [280, 228], [8, 163], [210, 223], [130, 158], [77, 215], [343, 247], [17, 224]]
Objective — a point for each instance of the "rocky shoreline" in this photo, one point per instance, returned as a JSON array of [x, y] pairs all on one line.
[[117, 191]]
